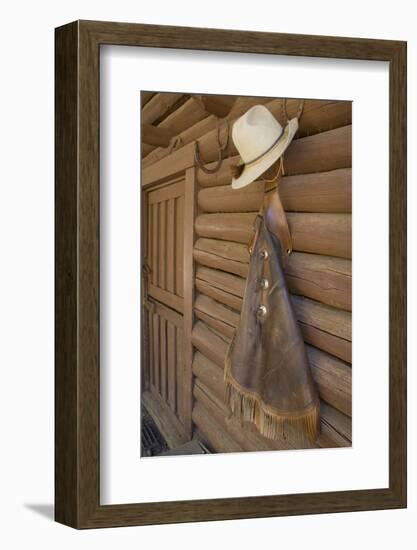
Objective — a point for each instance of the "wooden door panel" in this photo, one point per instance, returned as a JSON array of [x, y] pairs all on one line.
[[170, 245], [168, 379], [179, 246], [166, 356], [166, 245]]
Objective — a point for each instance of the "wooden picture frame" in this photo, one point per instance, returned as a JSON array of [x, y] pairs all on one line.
[[77, 359]]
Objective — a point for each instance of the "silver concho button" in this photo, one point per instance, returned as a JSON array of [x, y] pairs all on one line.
[[264, 284], [263, 253], [261, 311]]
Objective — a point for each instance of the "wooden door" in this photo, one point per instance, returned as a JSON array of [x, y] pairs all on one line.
[[166, 245], [167, 234]]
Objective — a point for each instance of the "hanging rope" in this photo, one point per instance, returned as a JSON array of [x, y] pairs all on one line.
[[285, 113], [176, 141], [220, 150], [280, 171]]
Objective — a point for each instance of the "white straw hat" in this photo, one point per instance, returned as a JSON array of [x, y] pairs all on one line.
[[260, 140]]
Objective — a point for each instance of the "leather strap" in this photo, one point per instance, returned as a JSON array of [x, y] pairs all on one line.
[[274, 214], [277, 222]]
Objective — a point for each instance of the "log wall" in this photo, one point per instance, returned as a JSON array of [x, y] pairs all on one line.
[[316, 194]]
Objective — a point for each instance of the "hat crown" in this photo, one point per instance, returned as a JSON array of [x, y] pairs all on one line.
[[255, 132]]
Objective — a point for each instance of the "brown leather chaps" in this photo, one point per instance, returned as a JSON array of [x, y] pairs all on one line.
[[267, 375]]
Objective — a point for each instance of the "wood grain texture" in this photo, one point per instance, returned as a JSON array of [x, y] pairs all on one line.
[[157, 106], [207, 126], [329, 319], [67, 439], [323, 278], [327, 234], [337, 113], [304, 155], [167, 424], [318, 323], [220, 440], [156, 136], [333, 378], [320, 192], [77, 337], [190, 205], [185, 116]]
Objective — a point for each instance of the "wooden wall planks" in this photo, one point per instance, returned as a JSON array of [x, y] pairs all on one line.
[[316, 193]]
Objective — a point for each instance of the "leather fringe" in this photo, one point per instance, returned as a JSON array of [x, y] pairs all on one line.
[[273, 425]]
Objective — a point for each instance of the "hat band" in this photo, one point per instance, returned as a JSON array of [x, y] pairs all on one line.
[[267, 150]]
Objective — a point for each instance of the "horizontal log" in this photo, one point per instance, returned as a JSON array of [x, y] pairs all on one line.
[[327, 342], [209, 373], [228, 227], [158, 105], [217, 436], [333, 377], [329, 191], [304, 156], [223, 329], [224, 249], [325, 327], [320, 192], [216, 310], [227, 282], [208, 343], [336, 424], [157, 136], [320, 153], [339, 347], [225, 255], [336, 427], [223, 177], [224, 198], [218, 294], [327, 234], [211, 260], [323, 278], [216, 313], [318, 115], [323, 317], [188, 114]]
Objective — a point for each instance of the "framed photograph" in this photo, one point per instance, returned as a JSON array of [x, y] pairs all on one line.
[[230, 274]]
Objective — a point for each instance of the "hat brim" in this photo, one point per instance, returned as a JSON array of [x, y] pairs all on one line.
[[250, 173]]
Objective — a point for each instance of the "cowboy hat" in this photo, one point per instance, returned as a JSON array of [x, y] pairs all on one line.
[[260, 140]]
